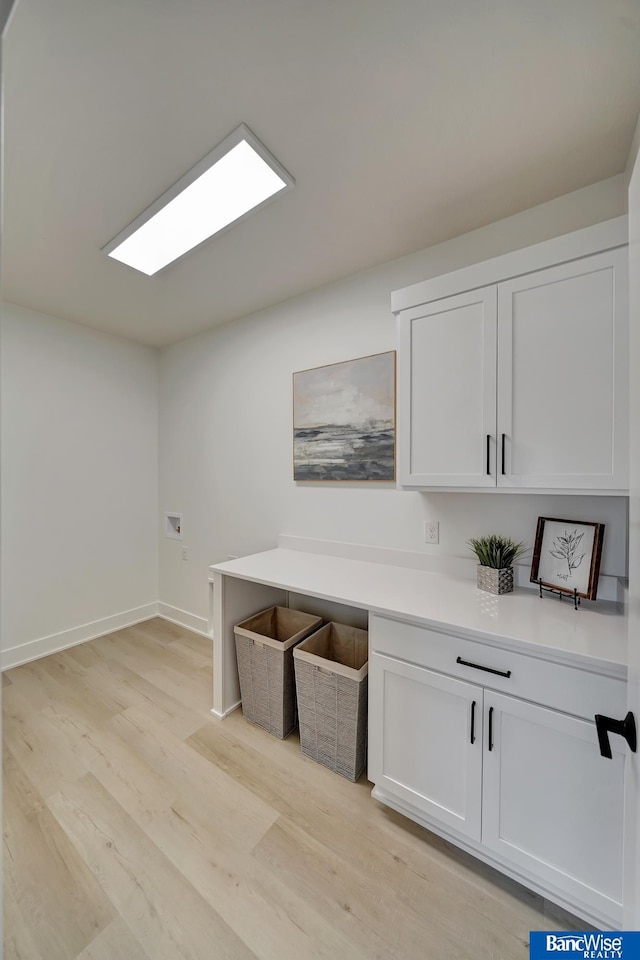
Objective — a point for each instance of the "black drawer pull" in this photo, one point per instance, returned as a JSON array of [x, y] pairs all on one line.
[[488, 454], [490, 728], [504, 437], [473, 722], [477, 666]]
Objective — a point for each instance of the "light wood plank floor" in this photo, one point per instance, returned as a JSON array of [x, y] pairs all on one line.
[[137, 827]]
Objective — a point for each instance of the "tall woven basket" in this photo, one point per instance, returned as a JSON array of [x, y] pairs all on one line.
[[331, 682], [264, 649]]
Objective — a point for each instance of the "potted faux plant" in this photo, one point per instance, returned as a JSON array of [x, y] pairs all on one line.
[[496, 555]]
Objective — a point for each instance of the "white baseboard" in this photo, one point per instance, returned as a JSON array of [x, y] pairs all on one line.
[[221, 716], [183, 619], [44, 646]]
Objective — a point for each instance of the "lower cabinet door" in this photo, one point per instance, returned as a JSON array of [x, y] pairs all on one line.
[[425, 743], [552, 806]]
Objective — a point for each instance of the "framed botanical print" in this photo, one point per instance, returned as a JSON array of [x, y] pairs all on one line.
[[566, 556]]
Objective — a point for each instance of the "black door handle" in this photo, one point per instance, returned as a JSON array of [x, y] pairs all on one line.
[[504, 437], [625, 728], [490, 728], [473, 722], [488, 454]]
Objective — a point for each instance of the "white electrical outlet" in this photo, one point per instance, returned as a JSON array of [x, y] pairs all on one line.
[[185, 553], [431, 531]]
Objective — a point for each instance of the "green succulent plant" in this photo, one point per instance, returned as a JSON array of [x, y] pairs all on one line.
[[496, 551]]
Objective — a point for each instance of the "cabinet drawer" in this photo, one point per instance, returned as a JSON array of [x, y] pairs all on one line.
[[570, 689]]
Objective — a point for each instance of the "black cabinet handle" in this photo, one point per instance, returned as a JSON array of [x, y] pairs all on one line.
[[488, 454], [473, 722], [490, 728], [478, 666], [504, 437], [625, 728]]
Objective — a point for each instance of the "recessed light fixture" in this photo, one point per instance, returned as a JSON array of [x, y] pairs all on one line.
[[237, 178]]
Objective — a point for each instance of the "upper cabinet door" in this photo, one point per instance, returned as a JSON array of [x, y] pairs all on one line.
[[447, 392], [562, 376]]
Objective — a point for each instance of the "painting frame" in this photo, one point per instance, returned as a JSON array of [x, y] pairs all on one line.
[[344, 420], [568, 542]]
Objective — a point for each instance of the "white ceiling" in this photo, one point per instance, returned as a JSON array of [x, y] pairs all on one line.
[[404, 123]]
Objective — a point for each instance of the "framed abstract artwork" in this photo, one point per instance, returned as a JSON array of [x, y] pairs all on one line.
[[344, 420]]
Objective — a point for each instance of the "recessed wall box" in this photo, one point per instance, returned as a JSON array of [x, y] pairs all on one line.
[[173, 526]]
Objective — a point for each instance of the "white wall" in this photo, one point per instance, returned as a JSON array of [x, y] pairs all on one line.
[[226, 422], [79, 482]]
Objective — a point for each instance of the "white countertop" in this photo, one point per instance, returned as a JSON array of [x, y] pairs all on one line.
[[593, 637]]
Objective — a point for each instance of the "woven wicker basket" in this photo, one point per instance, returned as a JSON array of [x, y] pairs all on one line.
[[264, 648], [331, 683]]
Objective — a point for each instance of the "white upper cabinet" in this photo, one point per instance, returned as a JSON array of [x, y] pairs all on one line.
[[521, 383], [562, 376], [447, 384]]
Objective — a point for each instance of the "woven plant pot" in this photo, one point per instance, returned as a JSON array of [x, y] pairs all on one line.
[[495, 581]]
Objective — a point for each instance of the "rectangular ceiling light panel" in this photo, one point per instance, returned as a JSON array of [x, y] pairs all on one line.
[[236, 178]]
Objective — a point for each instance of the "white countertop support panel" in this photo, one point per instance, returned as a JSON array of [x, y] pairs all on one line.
[[233, 601]]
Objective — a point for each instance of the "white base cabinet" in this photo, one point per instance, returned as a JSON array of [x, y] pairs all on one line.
[[424, 730], [551, 805], [519, 783]]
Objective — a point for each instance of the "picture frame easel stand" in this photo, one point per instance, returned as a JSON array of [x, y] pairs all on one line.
[[560, 594]]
